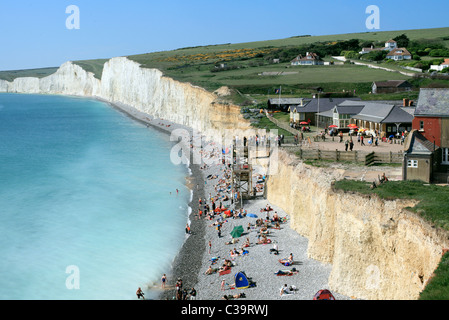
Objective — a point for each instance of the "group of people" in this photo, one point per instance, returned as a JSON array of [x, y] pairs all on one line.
[[183, 293]]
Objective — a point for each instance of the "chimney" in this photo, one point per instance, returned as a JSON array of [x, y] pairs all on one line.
[[405, 104]]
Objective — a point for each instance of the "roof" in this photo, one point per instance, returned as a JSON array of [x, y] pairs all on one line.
[[416, 143], [433, 102], [399, 115], [310, 56], [350, 109], [374, 112], [399, 52], [284, 101], [445, 63], [384, 113], [391, 41], [392, 83], [372, 49], [311, 105]]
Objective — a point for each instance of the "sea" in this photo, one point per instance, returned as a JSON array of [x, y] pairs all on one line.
[[91, 207]]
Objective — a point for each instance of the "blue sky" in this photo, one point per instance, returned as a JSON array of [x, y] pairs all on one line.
[[34, 33]]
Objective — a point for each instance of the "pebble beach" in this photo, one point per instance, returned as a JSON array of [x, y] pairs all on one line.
[[305, 276]]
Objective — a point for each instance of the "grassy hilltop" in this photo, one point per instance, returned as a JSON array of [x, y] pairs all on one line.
[[249, 67]]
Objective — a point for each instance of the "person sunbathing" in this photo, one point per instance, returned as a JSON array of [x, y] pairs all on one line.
[[233, 241], [286, 272], [264, 230], [288, 260], [264, 240], [210, 270], [235, 296]]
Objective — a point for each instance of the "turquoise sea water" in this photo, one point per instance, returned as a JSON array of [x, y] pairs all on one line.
[[88, 203]]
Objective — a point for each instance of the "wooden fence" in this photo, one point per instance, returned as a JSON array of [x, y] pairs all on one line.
[[367, 158]]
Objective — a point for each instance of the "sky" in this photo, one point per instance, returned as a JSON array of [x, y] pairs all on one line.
[[35, 34]]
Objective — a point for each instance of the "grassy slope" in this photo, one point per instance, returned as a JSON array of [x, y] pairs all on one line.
[[194, 64]]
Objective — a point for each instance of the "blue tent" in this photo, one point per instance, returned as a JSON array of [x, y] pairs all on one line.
[[252, 215], [241, 281]]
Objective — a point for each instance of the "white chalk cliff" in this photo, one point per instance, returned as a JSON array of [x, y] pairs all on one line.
[[125, 83]]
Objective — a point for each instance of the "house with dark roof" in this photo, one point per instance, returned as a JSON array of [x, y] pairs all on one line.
[[399, 54], [391, 86], [431, 121], [340, 115], [307, 109], [384, 118], [310, 59]]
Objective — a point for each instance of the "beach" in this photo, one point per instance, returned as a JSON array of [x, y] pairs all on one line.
[[260, 264]]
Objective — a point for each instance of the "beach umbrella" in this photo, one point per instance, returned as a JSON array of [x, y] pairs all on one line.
[[237, 231], [352, 125], [303, 122], [333, 126]]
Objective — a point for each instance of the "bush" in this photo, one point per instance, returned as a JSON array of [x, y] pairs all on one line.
[[439, 53], [374, 56]]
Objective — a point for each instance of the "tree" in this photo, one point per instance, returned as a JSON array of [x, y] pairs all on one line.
[[402, 41]]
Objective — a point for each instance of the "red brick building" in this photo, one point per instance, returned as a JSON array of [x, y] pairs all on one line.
[[431, 121]]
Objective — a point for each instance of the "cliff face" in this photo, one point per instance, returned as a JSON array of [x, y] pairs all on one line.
[[124, 82], [378, 250]]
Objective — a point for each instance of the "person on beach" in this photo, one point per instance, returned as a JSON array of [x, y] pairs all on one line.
[[222, 285], [178, 289], [210, 246], [140, 294], [163, 281], [192, 294]]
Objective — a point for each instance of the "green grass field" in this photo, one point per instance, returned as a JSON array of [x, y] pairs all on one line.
[[245, 63]]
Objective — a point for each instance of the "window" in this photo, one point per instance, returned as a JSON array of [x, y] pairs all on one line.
[[421, 125], [412, 163], [445, 159]]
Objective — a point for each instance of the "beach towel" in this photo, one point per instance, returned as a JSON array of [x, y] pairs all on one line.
[[225, 272]]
